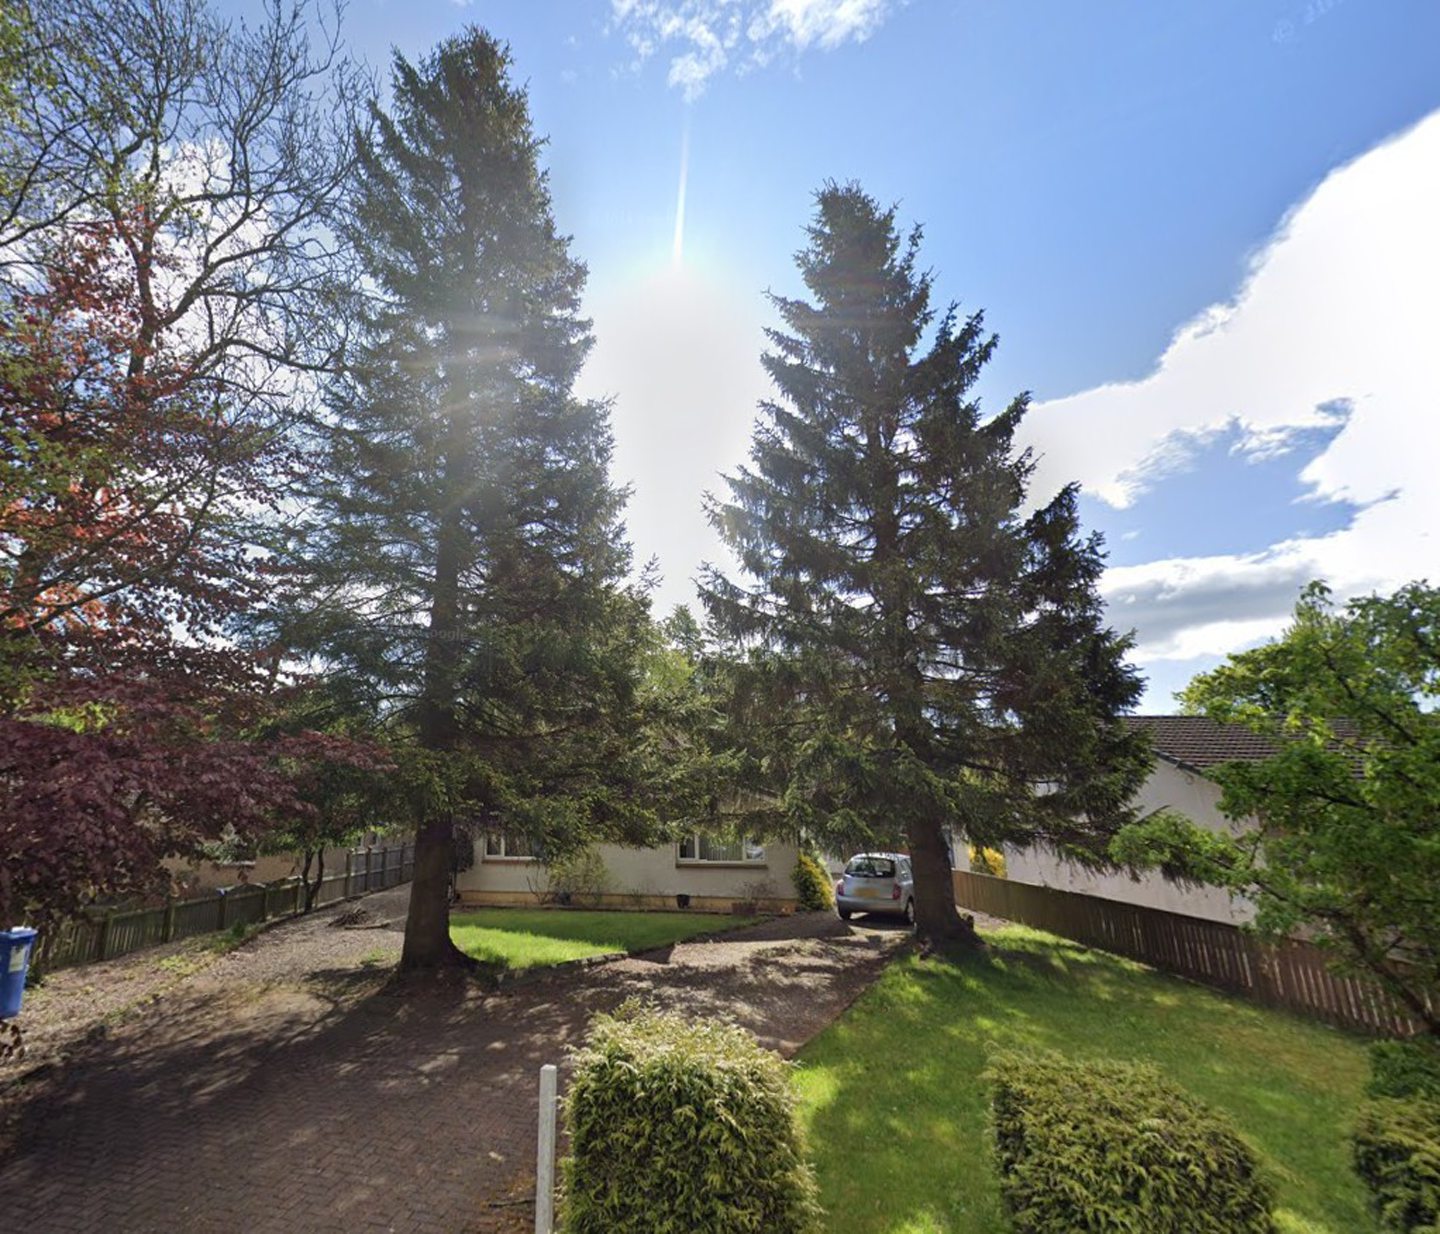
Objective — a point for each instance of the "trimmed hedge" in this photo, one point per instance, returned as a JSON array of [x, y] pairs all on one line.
[[678, 1126], [1112, 1148], [1405, 1069], [813, 889], [1397, 1155]]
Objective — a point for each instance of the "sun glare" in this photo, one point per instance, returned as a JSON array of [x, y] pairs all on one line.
[[677, 250]]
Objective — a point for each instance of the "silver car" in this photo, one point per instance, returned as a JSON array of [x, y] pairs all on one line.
[[877, 883]]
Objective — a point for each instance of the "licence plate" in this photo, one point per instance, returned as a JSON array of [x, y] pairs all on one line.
[[872, 893]]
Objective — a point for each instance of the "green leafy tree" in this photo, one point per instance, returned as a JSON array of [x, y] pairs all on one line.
[[924, 657], [466, 545], [338, 801], [165, 177], [12, 45], [1345, 837]]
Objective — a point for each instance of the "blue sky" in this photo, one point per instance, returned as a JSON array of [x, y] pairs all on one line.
[[1205, 232]]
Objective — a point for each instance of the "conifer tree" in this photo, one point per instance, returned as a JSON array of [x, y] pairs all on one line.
[[465, 540], [924, 656]]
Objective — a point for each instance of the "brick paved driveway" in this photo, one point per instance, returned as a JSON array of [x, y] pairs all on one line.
[[325, 1101]]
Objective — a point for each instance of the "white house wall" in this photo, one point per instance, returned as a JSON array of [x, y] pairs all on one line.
[[644, 877], [1167, 786]]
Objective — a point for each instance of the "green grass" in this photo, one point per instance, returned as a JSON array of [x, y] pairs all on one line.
[[203, 950], [528, 938], [897, 1114]]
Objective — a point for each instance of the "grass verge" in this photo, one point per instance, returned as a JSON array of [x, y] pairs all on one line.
[[518, 938], [898, 1115]]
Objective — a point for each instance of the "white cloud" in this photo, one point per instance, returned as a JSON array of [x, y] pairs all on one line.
[[826, 22], [710, 35], [1337, 321]]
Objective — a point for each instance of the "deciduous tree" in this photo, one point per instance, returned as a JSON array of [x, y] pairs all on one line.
[[165, 186], [1343, 834]]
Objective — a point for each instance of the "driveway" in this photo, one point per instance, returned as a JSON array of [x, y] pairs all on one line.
[[289, 1086]]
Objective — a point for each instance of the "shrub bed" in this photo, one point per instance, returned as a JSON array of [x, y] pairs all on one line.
[[1405, 1069], [678, 1126], [1397, 1155], [813, 891], [1112, 1148]]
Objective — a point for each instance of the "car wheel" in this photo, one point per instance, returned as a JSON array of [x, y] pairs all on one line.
[[844, 914], [910, 913]]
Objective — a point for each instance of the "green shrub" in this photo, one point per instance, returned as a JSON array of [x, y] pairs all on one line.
[[1405, 1069], [578, 878], [813, 889], [1397, 1155], [677, 1127], [1112, 1147]]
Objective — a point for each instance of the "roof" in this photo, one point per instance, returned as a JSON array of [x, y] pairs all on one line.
[[1199, 743]]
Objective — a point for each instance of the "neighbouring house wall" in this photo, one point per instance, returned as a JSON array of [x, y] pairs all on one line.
[[1167, 786], [641, 878], [204, 875]]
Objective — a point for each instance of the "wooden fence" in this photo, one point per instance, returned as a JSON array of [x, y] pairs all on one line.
[[103, 934], [1289, 974]]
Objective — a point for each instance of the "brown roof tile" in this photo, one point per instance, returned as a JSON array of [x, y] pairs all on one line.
[[1201, 743]]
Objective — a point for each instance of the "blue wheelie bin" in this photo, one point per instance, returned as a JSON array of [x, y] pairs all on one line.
[[15, 948]]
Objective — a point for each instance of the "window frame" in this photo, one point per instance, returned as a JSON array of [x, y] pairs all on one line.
[[706, 862], [502, 855]]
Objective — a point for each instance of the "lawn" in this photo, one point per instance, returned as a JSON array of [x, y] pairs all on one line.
[[528, 938], [896, 1110]]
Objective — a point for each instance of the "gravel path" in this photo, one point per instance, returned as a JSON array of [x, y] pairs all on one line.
[[291, 1085], [77, 1005]]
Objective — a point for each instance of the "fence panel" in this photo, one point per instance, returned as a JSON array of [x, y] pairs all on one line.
[[100, 934], [333, 887], [1291, 974], [244, 906], [125, 932], [198, 916], [73, 942]]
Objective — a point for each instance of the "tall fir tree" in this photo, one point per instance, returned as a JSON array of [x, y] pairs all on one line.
[[465, 538], [924, 656]]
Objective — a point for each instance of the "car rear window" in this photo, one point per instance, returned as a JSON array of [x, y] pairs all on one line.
[[871, 867]]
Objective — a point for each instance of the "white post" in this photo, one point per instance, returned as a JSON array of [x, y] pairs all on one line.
[[545, 1154]]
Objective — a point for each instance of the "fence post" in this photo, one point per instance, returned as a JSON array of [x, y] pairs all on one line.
[[368, 853], [545, 1154], [167, 931], [221, 913], [349, 874], [105, 934]]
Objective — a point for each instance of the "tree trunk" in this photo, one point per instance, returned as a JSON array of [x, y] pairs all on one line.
[[937, 920], [312, 891], [427, 925], [305, 880]]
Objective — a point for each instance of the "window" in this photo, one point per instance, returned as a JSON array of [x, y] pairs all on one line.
[[866, 866], [699, 847], [500, 845]]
